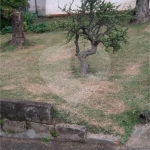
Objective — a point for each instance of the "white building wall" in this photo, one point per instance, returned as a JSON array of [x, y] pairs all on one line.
[[40, 6], [51, 7], [124, 3]]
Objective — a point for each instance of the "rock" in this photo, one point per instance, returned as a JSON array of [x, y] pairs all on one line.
[[140, 137], [19, 110], [14, 126], [101, 139], [71, 132], [1, 132], [30, 133], [44, 135], [38, 127]]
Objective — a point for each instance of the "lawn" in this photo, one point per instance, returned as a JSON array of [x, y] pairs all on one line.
[[108, 100]]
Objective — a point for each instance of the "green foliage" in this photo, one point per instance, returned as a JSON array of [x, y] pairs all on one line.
[[97, 21], [4, 22], [7, 7], [6, 29], [54, 133], [39, 28], [46, 27], [1, 122], [46, 139], [62, 116], [127, 120], [29, 18]]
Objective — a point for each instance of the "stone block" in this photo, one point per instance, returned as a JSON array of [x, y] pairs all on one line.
[[71, 132], [14, 126], [101, 139], [38, 127], [140, 137], [19, 110]]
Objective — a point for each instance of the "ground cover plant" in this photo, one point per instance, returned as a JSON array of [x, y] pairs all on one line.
[[48, 72]]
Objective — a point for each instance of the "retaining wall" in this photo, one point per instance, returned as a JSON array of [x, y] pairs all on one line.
[[27, 119]]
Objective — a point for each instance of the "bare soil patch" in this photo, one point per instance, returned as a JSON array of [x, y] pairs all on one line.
[[98, 99], [132, 69], [37, 88], [59, 55], [115, 106], [147, 28], [9, 87]]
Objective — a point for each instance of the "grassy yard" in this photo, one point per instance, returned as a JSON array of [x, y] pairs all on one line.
[[108, 100]]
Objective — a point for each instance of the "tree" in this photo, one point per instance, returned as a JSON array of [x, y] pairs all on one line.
[[9, 9], [98, 22], [141, 12]]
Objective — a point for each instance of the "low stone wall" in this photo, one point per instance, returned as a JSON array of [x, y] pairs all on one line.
[[18, 110], [25, 119]]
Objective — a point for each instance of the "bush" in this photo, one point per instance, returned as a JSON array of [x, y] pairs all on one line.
[[6, 29], [46, 27], [39, 28], [29, 18], [4, 22]]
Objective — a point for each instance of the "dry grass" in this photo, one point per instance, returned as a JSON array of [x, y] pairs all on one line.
[[9, 87], [147, 28], [132, 69], [49, 72], [37, 88]]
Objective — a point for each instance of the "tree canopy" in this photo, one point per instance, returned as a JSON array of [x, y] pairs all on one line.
[[7, 7], [97, 21]]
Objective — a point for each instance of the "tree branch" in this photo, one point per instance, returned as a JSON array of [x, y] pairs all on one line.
[[76, 43]]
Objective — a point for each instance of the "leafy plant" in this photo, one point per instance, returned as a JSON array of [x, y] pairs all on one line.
[[54, 133], [8, 7], [1, 122], [39, 28], [6, 29], [46, 139], [29, 18], [4, 22]]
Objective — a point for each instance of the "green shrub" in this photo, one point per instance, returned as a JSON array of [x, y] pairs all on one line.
[[4, 22], [1, 122], [39, 28], [46, 139], [29, 18], [54, 133], [6, 29]]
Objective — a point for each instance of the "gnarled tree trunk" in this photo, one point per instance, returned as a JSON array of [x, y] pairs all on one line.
[[84, 66], [142, 12], [18, 37]]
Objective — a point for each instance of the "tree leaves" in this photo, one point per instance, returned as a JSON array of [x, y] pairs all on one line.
[[7, 7], [98, 21]]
